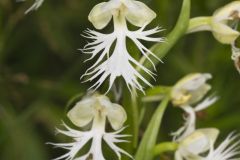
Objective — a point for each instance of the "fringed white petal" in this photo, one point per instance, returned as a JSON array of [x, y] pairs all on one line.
[[95, 152], [236, 57], [206, 103], [189, 125], [112, 138], [35, 6], [140, 34], [80, 139], [119, 62], [229, 149], [190, 121]]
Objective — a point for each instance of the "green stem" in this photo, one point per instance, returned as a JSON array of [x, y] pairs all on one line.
[[165, 147], [161, 49], [135, 119], [199, 24], [149, 139], [131, 105]]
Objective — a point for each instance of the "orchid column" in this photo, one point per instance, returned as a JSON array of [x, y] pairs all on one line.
[[119, 61]]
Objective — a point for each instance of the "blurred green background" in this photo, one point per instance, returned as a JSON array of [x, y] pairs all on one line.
[[40, 68]]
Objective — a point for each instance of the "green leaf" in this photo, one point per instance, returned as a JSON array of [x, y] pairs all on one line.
[[145, 150]]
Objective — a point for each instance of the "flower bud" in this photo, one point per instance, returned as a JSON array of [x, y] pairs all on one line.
[[222, 23], [222, 31]]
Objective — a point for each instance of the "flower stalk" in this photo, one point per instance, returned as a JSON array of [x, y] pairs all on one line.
[[165, 147], [180, 29], [199, 24]]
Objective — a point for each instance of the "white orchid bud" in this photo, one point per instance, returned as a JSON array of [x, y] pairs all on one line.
[[219, 23]]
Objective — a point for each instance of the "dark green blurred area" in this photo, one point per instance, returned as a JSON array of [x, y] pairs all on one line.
[[40, 68]]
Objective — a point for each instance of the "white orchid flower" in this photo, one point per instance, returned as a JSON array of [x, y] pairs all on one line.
[[186, 93], [35, 5], [201, 142], [198, 142], [118, 61], [228, 150], [94, 110]]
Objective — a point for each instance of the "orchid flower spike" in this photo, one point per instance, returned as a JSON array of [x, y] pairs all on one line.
[[224, 24], [35, 6], [201, 142], [189, 91], [94, 111], [113, 46]]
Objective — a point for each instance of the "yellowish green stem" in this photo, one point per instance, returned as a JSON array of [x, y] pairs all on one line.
[[165, 147], [199, 24], [135, 114], [180, 29]]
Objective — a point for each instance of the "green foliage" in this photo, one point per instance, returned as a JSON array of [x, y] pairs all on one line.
[[40, 68], [148, 142]]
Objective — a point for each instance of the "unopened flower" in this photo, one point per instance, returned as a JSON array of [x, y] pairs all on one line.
[[223, 30], [94, 110], [200, 146], [118, 62], [224, 24], [187, 94], [35, 6]]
